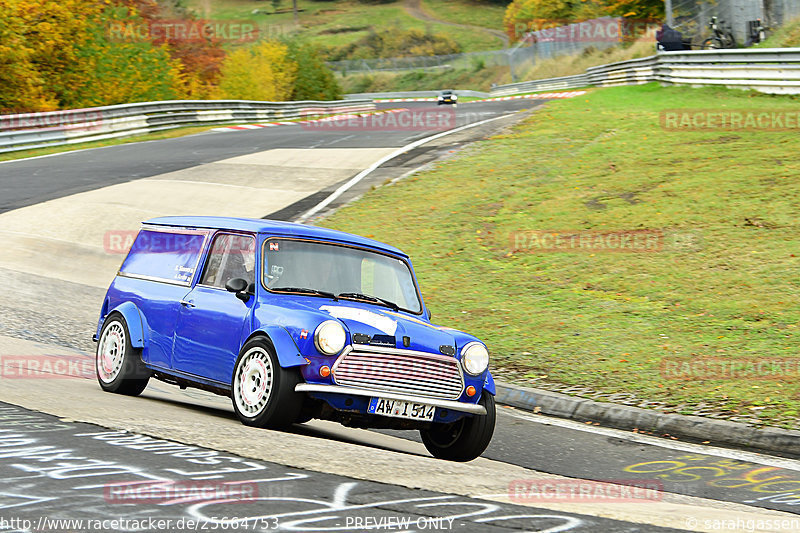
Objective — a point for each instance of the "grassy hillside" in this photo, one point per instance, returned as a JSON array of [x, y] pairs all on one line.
[[467, 12], [475, 79], [481, 78], [338, 23], [609, 321]]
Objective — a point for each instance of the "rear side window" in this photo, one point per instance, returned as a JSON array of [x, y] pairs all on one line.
[[164, 255], [231, 256]]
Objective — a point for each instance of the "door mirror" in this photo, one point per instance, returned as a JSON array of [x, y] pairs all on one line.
[[428, 313], [239, 286]]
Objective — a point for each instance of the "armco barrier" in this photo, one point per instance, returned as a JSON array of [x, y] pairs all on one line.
[[549, 84], [768, 70], [56, 128], [414, 94]]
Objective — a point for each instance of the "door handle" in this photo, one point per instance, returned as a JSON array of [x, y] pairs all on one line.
[[187, 303]]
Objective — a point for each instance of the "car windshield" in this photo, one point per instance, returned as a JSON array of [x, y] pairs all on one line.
[[339, 271]]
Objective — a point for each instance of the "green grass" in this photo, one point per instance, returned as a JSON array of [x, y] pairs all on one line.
[[480, 14], [337, 23], [607, 320]]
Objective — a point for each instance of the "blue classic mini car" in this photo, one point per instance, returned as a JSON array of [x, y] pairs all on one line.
[[293, 322]]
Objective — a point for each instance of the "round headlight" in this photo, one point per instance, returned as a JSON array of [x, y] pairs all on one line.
[[475, 358], [329, 337]]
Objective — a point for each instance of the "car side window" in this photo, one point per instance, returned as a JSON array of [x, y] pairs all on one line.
[[231, 256]]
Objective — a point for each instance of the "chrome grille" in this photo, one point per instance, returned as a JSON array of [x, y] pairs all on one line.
[[403, 371]]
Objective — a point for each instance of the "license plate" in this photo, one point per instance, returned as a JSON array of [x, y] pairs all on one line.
[[401, 409]]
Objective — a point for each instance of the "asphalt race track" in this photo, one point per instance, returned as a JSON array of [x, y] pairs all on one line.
[[70, 451], [114, 475]]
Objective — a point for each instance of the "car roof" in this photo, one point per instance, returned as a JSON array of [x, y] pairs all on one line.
[[272, 227]]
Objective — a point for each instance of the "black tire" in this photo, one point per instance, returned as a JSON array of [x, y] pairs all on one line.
[[465, 439], [262, 392], [118, 365]]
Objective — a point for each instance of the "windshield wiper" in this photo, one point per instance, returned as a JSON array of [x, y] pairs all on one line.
[[369, 298], [305, 290]]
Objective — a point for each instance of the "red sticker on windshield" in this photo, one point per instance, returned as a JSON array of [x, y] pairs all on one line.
[[273, 246]]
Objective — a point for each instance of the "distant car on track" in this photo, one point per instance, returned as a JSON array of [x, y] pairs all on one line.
[[293, 322], [447, 97]]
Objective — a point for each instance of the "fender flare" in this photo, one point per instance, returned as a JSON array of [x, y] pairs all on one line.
[[488, 385], [285, 348], [133, 318]]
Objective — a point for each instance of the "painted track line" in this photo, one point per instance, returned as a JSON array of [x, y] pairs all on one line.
[[367, 171], [688, 447]]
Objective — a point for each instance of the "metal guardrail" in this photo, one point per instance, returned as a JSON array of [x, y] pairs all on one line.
[[57, 128], [549, 84], [768, 70], [415, 94]]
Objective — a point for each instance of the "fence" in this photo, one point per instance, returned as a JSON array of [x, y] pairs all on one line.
[[466, 60], [40, 130], [533, 46], [768, 70]]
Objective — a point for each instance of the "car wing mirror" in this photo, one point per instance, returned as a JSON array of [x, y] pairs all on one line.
[[428, 313], [238, 286]]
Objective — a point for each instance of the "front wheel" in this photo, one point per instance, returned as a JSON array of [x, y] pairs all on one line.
[[465, 439], [262, 392], [119, 365]]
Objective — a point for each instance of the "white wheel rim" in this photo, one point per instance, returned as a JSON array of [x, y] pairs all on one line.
[[111, 352], [253, 386]]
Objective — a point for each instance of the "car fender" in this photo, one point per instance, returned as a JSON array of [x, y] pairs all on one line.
[[133, 318], [488, 385], [285, 347]]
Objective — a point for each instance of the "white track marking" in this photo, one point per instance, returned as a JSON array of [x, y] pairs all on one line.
[[688, 447], [367, 171]]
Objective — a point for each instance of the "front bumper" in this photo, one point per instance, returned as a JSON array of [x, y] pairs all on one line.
[[470, 408]]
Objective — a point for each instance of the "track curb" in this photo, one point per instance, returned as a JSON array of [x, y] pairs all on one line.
[[718, 432]]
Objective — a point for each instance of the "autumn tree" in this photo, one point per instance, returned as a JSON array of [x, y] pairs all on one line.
[[113, 70], [37, 44], [263, 71], [315, 81], [525, 15]]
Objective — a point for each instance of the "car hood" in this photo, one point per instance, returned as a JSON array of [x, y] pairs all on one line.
[[390, 328], [382, 326]]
